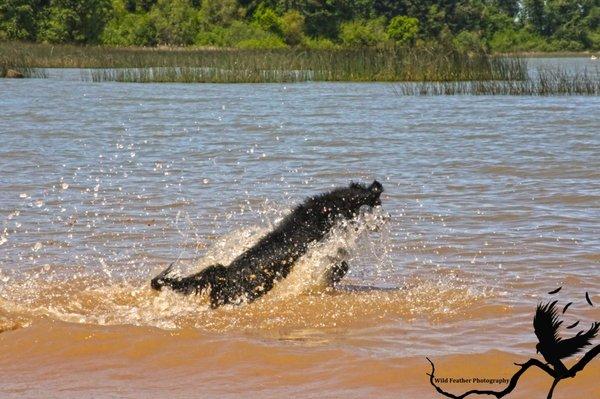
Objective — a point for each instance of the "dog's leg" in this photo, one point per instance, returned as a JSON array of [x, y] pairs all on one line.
[[336, 273]]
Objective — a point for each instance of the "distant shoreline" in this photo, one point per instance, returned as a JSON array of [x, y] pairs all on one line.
[[435, 70], [192, 48]]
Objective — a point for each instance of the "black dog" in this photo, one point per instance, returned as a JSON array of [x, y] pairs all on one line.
[[253, 273]]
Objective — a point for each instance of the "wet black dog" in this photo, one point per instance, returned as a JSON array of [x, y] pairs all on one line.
[[253, 273]]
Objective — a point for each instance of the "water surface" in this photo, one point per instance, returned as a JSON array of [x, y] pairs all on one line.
[[493, 202]]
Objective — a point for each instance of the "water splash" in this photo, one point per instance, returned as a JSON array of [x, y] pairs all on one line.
[[301, 301]]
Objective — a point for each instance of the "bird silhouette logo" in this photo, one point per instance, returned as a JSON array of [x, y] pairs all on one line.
[[553, 348]]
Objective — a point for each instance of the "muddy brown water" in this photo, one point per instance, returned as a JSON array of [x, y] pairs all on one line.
[[492, 202]]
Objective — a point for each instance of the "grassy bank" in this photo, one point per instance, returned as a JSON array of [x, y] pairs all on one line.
[[436, 64], [424, 70]]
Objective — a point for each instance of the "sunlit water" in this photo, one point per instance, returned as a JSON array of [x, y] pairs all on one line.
[[492, 202]]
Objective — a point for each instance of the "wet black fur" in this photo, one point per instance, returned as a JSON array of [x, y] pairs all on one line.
[[254, 272]]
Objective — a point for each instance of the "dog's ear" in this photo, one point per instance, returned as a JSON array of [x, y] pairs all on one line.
[[376, 187]]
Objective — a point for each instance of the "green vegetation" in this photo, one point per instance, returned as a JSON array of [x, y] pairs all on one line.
[[441, 70], [403, 30], [442, 47], [440, 63], [544, 82], [496, 25]]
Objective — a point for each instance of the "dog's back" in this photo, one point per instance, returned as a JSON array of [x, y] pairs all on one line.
[[254, 272]]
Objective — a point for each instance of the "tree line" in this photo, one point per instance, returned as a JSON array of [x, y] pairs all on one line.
[[497, 25]]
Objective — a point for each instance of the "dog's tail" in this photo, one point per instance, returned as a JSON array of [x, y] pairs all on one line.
[[184, 285]]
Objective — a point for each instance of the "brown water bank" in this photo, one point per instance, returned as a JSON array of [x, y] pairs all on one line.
[[70, 360]]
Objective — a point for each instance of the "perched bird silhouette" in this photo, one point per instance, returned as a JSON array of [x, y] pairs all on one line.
[[552, 347]]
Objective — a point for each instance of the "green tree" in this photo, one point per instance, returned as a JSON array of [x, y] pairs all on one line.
[[523, 24], [467, 16], [176, 22], [219, 12], [403, 30], [469, 42], [18, 19], [139, 5], [435, 21], [131, 29], [509, 7], [79, 21], [323, 17], [268, 20], [240, 34], [535, 15], [292, 27], [390, 8], [363, 33]]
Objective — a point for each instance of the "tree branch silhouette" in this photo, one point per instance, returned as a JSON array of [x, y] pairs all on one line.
[[577, 367], [551, 392], [589, 355]]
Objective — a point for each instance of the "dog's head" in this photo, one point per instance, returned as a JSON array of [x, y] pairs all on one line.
[[347, 201], [363, 195]]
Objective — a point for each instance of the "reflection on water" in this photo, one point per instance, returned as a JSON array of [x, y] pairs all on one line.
[[493, 201]]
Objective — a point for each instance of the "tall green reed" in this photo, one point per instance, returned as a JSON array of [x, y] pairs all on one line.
[[281, 65], [543, 82]]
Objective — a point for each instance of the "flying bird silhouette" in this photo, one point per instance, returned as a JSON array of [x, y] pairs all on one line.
[[555, 291], [552, 347], [587, 298]]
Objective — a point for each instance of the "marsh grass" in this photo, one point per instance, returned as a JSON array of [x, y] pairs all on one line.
[[544, 82], [423, 70], [253, 66], [194, 75]]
